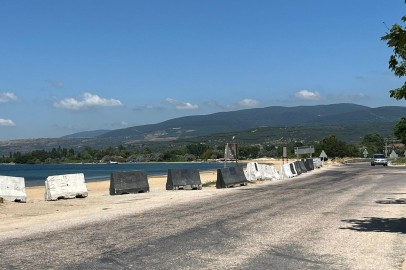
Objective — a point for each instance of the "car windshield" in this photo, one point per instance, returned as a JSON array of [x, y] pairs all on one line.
[[379, 156]]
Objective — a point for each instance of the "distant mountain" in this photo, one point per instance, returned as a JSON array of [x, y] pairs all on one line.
[[277, 124], [87, 134], [200, 125], [370, 115]]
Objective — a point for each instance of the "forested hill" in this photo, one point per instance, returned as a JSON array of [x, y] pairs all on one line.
[[276, 116], [381, 120], [192, 126], [85, 134]]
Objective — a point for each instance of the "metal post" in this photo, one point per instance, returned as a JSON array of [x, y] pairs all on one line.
[[225, 156]]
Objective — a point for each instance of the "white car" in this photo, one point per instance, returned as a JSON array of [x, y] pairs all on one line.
[[379, 159]]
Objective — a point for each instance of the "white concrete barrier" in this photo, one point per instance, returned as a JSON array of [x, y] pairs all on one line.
[[268, 172], [13, 188], [284, 171], [293, 169], [253, 173], [67, 186], [275, 173], [317, 162]]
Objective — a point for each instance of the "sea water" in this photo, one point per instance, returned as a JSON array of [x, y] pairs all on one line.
[[35, 175]]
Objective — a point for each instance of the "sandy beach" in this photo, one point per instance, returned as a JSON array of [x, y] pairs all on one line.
[[37, 211]]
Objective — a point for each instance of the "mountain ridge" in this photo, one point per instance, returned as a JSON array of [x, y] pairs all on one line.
[[185, 128]]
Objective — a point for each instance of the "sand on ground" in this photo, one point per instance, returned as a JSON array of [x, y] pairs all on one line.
[[36, 211]]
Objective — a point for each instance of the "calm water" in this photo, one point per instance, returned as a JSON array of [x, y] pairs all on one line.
[[35, 175]]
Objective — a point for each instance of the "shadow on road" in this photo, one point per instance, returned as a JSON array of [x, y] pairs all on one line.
[[392, 201], [374, 224]]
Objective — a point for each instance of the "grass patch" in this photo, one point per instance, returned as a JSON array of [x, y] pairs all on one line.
[[399, 161], [209, 184]]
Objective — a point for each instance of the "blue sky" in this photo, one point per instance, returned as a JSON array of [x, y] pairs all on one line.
[[70, 66]]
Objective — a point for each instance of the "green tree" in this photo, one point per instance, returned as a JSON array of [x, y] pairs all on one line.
[[332, 147], [197, 149], [146, 150], [374, 143], [396, 39], [207, 154], [400, 130]]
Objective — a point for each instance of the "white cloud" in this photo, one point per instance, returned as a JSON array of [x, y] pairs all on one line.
[[180, 105], [304, 94], [248, 103], [242, 104], [88, 101], [123, 123], [4, 122], [8, 97]]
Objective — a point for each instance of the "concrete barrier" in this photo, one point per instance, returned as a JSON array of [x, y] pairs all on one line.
[[13, 189], [253, 173], [284, 171], [275, 173], [268, 172], [306, 164], [317, 163], [302, 167], [183, 179], [310, 163], [292, 169], [231, 177], [128, 182], [297, 168], [67, 186]]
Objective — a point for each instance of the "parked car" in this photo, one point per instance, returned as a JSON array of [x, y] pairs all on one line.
[[379, 159]]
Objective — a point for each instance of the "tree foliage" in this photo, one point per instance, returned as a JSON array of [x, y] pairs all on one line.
[[374, 143], [336, 148], [396, 39], [400, 130]]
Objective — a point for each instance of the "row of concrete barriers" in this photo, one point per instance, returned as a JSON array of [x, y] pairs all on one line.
[[73, 185], [257, 171], [295, 168]]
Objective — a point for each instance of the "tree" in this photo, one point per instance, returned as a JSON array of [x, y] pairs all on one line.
[[332, 147], [396, 39], [197, 149], [374, 143], [400, 130], [207, 154]]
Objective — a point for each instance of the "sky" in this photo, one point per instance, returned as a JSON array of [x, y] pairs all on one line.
[[71, 66]]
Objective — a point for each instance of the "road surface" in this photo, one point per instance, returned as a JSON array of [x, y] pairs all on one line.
[[341, 217]]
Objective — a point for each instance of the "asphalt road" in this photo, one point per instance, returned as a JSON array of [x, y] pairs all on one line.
[[344, 217]]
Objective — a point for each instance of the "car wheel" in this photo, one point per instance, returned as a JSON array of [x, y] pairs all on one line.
[[372, 164]]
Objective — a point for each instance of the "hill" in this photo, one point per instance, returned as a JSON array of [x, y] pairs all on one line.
[[273, 125], [352, 134], [200, 125], [87, 134]]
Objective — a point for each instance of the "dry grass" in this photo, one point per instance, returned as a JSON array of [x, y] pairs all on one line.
[[209, 184]]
